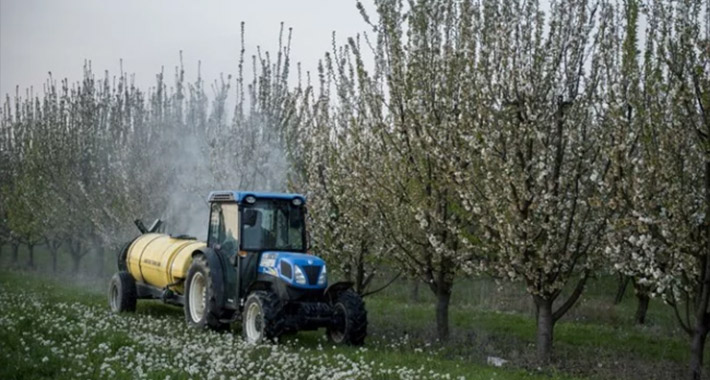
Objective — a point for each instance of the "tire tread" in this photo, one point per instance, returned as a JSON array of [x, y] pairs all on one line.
[[272, 310], [212, 318], [127, 293], [357, 318]]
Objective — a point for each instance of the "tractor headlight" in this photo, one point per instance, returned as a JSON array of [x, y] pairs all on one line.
[[300, 278], [323, 277]]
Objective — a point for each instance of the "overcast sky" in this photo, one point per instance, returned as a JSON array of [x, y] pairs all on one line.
[[38, 36]]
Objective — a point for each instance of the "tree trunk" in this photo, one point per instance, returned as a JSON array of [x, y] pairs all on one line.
[[360, 269], [360, 278], [443, 296], [414, 295], [347, 272], [76, 255], [697, 346], [31, 260], [76, 259], [15, 252], [54, 251], [642, 308], [54, 261], [545, 326], [53, 246], [621, 290]]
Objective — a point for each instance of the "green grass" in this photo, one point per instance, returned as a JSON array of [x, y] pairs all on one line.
[[596, 339], [659, 339], [31, 358]]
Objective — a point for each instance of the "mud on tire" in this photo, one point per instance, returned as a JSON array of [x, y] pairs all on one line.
[[263, 317], [122, 292], [201, 310], [350, 325]]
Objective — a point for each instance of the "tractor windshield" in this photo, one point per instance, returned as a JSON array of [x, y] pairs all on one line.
[[273, 225]]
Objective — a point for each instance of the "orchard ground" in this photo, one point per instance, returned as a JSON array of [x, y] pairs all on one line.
[[59, 326]]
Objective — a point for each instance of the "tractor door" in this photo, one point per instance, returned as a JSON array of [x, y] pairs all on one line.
[[223, 234], [223, 238]]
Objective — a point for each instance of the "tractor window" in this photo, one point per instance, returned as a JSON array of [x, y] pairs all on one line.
[[214, 224], [229, 231], [273, 225], [224, 224]]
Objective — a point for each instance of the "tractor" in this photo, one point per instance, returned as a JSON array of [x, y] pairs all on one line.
[[254, 267]]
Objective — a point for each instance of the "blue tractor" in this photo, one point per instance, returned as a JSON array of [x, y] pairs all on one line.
[[254, 267]]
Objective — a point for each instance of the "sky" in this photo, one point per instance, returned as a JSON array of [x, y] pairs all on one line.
[[37, 36]]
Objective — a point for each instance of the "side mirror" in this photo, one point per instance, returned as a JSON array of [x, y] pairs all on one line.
[[250, 217]]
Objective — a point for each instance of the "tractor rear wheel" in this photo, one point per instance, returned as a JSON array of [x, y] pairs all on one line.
[[201, 310], [122, 292], [350, 320], [263, 318]]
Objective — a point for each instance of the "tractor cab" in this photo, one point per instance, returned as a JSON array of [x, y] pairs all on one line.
[[268, 223], [264, 236]]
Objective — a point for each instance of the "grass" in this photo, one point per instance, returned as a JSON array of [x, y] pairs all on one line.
[[25, 345], [645, 342], [595, 340]]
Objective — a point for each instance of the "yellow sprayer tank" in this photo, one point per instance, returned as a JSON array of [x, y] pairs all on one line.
[[161, 260]]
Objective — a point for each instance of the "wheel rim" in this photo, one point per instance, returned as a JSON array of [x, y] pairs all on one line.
[[337, 332], [113, 297], [198, 291], [254, 323]]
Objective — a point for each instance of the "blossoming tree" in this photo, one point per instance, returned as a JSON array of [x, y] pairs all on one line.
[[536, 182], [663, 236]]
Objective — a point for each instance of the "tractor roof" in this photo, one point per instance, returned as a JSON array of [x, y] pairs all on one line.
[[238, 196]]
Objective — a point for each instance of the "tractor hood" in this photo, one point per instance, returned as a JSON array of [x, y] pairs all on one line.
[[296, 269]]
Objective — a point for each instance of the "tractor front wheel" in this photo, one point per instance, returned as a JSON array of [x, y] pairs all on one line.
[[262, 319], [201, 309], [122, 292], [349, 320]]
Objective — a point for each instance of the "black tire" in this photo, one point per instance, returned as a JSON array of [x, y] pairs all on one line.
[[350, 321], [268, 324], [201, 306], [122, 292]]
